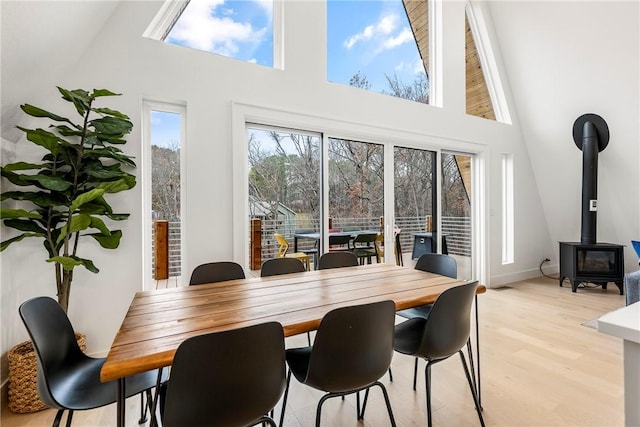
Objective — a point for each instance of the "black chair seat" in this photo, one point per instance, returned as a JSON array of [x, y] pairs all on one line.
[[408, 336], [298, 361], [421, 311]]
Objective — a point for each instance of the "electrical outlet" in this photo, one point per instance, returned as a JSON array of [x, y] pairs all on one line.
[[547, 260]]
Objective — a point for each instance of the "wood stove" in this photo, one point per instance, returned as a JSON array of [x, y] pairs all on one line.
[[598, 263], [588, 261]]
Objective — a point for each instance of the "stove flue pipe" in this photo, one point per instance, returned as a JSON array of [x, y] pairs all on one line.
[[591, 135]]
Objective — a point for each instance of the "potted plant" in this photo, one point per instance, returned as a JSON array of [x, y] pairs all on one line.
[[65, 193]]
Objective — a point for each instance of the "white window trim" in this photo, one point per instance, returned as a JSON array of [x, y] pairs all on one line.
[[508, 255]]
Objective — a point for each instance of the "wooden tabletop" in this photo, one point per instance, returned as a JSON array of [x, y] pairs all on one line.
[[159, 320]]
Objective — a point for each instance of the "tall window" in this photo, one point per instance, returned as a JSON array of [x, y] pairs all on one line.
[[284, 190], [507, 209], [164, 140], [240, 29], [456, 221], [381, 46]]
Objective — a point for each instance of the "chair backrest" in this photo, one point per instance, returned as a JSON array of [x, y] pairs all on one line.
[[55, 344], [353, 347], [216, 272], [283, 245], [337, 260], [276, 266], [632, 287], [229, 378], [366, 238], [340, 240], [444, 265], [449, 323]]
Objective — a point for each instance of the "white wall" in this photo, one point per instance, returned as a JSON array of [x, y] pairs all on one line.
[[121, 60], [566, 59]]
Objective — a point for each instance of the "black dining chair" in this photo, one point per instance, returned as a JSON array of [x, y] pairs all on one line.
[[216, 272], [441, 335], [337, 260], [364, 247], [352, 350], [219, 379], [339, 242], [277, 266], [67, 379]]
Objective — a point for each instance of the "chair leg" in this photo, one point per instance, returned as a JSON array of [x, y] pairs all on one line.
[[69, 417], [364, 404], [427, 380], [319, 407], [386, 401], [284, 398], [390, 374], [415, 374], [473, 392], [56, 420], [143, 407], [358, 414], [471, 368], [266, 420]]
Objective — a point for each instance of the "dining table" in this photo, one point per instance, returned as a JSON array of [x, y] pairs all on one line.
[[315, 236], [158, 321]]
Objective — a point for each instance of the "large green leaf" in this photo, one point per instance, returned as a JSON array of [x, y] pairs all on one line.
[[67, 262], [118, 217], [40, 198], [120, 185], [54, 183], [65, 130], [39, 112], [104, 174], [78, 223], [14, 178], [103, 92], [25, 225], [99, 224], [86, 198], [111, 125], [80, 98], [111, 241], [21, 166], [42, 138], [4, 245], [6, 213], [110, 112]]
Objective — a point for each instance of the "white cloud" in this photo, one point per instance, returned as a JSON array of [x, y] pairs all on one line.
[[405, 36], [383, 27], [197, 28]]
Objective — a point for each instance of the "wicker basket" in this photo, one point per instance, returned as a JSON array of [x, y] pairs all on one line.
[[23, 388]]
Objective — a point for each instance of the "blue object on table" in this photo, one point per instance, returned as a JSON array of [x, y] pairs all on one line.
[[636, 246]]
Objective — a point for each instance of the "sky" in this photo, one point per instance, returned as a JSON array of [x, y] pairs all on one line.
[[372, 37]]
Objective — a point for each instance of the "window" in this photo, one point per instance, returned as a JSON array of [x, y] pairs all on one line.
[[382, 46], [240, 29], [507, 209], [164, 139]]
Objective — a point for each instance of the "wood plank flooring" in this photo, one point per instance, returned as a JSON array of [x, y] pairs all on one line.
[[540, 367]]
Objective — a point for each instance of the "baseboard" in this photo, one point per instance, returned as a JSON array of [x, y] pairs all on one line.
[[503, 279]]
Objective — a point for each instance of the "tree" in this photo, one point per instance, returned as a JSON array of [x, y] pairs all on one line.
[[165, 182]]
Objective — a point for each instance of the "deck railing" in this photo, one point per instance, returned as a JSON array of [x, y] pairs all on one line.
[[456, 229]]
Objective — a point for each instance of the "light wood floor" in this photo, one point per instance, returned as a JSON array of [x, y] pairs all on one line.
[[540, 367]]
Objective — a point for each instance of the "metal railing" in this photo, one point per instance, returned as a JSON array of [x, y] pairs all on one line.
[[456, 229]]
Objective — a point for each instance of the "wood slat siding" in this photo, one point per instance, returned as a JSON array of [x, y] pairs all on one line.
[[418, 14], [478, 99]]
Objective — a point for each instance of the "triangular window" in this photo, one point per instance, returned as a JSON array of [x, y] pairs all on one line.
[[484, 94]]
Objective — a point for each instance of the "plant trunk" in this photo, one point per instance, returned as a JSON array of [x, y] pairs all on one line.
[[65, 289]]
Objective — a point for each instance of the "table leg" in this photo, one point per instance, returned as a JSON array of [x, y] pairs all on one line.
[[120, 402], [295, 244], [478, 355]]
